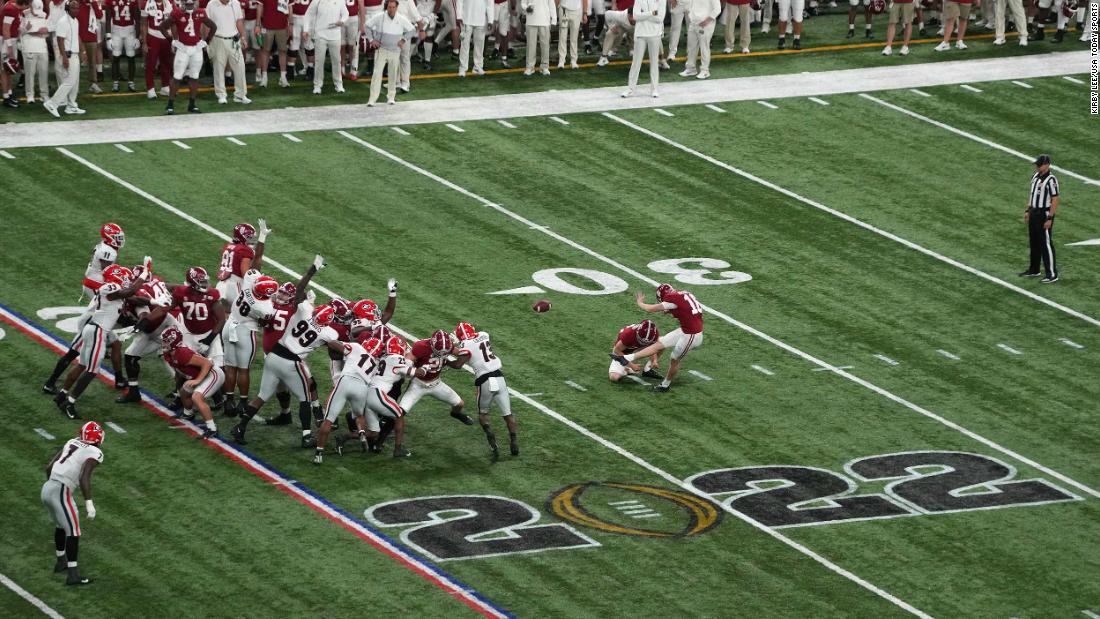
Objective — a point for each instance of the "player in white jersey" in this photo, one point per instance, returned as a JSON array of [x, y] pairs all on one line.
[[350, 388], [148, 310], [71, 466], [392, 367], [307, 330], [366, 315], [119, 284], [476, 350], [239, 333], [103, 255]]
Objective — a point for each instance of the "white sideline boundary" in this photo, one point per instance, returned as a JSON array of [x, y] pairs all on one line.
[[552, 104], [30, 598], [729, 319], [859, 222], [820, 559]]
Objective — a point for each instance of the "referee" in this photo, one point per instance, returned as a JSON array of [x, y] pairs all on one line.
[[1039, 217]]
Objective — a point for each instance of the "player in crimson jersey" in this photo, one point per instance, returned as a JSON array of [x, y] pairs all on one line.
[[238, 257], [203, 378], [185, 27], [72, 465], [632, 338], [428, 357], [121, 16], [200, 316], [156, 49], [148, 310], [683, 306]]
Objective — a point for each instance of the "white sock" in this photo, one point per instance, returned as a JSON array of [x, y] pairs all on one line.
[[210, 425], [629, 357]]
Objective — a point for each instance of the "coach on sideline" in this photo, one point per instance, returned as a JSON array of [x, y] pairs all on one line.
[[1039, 217], [228, 46]]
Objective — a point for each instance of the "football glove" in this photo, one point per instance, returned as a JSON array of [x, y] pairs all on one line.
[[311, 296], [264, 231], [318, 262], [147, 272], [392, 286], [90, 508]]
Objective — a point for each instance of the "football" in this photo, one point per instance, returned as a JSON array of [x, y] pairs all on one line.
[[541, 306]]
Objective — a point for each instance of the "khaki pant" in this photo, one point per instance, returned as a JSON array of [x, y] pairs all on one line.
[[678, 16], [611, 38], [224, 52], [1018, 17], [733, 12], [569, 27], [69, 86], [904, 10], [642, 45], [540, 36], [325, 47], [953, 10], [37, 68], [382, 58], [477, 33], [404, 64], [699, 45]]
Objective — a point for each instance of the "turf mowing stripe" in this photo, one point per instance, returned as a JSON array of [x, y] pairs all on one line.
[[1022, 84], [859, 222], [6, 155], [292, 138], [400, 131], [980, 140], [236, 141], [711, 106], [506, 124], [1070, 343], [560, 121], [887, 360], [44, 434], [768, 105], [919, 92], [1009, 349], [123, 148], [117, 428], [763, 370], [30, 598], [970, 88], [950, 356], [819, 101], [1070, 78], [747, 328], [302, 494]]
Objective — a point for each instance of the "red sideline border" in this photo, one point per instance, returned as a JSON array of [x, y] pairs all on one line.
[[424, 569]]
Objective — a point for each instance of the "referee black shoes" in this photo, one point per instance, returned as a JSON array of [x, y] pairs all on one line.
[[1029, 274], [1048, 280]]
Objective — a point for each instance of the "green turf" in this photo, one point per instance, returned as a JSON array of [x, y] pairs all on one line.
[[819, 284]]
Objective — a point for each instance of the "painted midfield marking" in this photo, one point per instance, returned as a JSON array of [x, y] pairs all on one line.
[[30, 597], [970, 88], [886, 359], [1007, 348], [181, 145], [236, 141], [1022, 84], [763, 370], [400, 131], [123, 148], [561, 121], [1070, 343], [698, 374], [575, 385], [6, 155], [506, 124], [1072, 79], [768, 105], [919, 92], [292, 138], [819, 101], [663, 112], [711, 106], [117, 428], [44, 434], [628, 502], [455, 128], [951, 356]]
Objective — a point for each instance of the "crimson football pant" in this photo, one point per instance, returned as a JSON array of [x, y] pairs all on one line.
[[160, 55], [1042, 245]]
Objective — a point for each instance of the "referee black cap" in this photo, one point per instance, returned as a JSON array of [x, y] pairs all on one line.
[[1042, 159]]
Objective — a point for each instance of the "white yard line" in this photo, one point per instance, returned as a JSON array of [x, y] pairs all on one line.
[[715, 108], [560, 121], [637, 379], [181, 145], [978, 139], [123, 148], [919, 92], [292, 138], [949, 355], [237, 142], [30, 598], [650, 515], [1090, 614], [556, 104], [669, 477], [576, 386], [699, 375], [887, 360], [117, 428], [1070, 343], [627, 502], [858, 222], [400, 131], [819, 101], [506, 124], [770, 106], [1009, 349], [455, 128], [663, 112], [829, 369], [740, 325], [970, 88], [1070, 78], [763, 370], [1022, 84], [44, 434], [6, 155]]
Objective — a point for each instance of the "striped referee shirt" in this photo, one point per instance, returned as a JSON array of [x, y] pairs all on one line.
[[1044, 187]]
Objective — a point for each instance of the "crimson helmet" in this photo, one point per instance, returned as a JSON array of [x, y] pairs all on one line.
[[440, 343], [365, 309], [381, 332], [117, 274], [324, 315], [395, 346], [285, 293], [664, 290], [112, 235], [647, 332], [137, 270], [197, 279], [265, 287], [244, 233], [465, 331], [171, 338], [343, 310], [372, 345], [1069, 8], [91, 433], [878, 6]]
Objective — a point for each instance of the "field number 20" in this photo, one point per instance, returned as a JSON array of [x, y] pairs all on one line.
[[693, 271]]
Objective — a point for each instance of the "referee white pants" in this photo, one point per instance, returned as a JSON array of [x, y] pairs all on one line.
[[642, 46], [1018, 17], [225, 51], [68, 83]]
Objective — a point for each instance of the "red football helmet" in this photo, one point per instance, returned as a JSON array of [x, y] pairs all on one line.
[[647, 332], [265, 287], [365, 309], [324, 315], [285, 293], [112, 235], [117, 274], [878, 6], [440, 343], [244, 233], [395, 346], [11, 65], [465, 331], [91, 433], [381, 332], [664, 290], [343, 310], [372, 345], [197, 279], [171, 338]]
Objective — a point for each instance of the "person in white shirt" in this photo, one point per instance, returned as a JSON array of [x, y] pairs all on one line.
[[389, 32], [473, 17], [325, 27], [701, 21], [407, 9], [67, 34], [35, 53], [571, 14], [228, 47], [677, 11], [648, 17], [541, 14]]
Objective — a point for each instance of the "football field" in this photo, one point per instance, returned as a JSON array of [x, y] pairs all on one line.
[[883, 419]]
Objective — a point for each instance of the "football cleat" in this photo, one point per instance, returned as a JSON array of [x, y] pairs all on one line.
[[131, 396], [494, 453], [651, 373], [283, 419], [78, 581], [514, 446], [340, 440], [661, 388], [186, 416], [50, 389], [1029, 274], [798, 43], [65, 406], [319, 456], [61, 565], [463, 417], [207, 433], [238, 435], [399, 451], [308, 440]]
